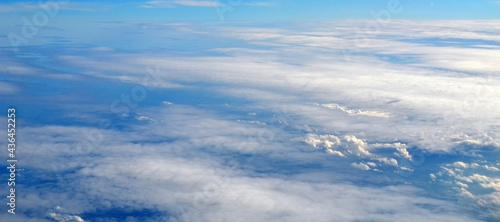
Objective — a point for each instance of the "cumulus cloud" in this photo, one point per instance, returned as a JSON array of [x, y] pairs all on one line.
[[361, 166], [460, 164], [356, 112], [63, 217], [325, 140], [482, 189], [402, 151], [353, 147], [347, 145], [491, 168], [388, 161]]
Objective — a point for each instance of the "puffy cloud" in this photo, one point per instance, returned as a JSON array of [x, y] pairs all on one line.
[[460, 164], [357, 146], [486, 182], [326, 140], [483, 190], [432, 176], [356, 112], [403, 151], [349, 144], [361, 166], [62, 217], [335, 152], [491, 168], [464, 193], [388, 161]]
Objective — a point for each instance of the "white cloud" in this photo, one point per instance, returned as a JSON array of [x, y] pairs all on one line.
[[7, 88], [356, 112], [483, 190], [486, 182], [253, 122], [388, 161], [335, 152], [361, 166], [65, 217], [460, 164], [179, 180], [357, 146], [326, 140], [442, 98], [491, 168], [464, 193], [400, 91], [406, 169], [349, 144], [432, 176], [402, 151]]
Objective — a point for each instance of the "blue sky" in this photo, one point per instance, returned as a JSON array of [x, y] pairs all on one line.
[[270, 10]]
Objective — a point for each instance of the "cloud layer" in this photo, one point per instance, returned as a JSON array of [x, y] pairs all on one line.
[[302, 122]]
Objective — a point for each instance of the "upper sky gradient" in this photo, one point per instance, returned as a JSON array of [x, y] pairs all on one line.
[[266, 10]]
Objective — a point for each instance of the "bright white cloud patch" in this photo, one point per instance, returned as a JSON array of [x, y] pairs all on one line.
[[361, 166], [356, 112]]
